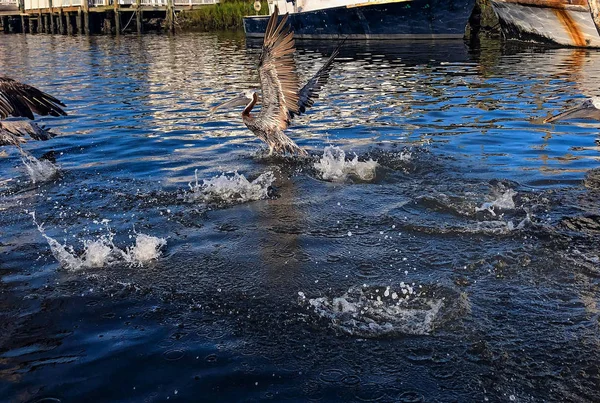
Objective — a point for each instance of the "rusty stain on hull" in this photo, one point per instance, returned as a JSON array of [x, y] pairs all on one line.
[[570, 26], [550, 3]]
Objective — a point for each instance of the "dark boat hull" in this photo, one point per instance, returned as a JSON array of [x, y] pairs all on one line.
[[417, 19]]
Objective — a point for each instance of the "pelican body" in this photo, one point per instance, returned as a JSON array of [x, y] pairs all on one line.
[[22, 100], [588, 109], [282, 98]]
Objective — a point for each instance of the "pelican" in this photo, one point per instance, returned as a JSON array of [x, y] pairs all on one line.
[[22, 100], [589, 109], [282, 97]]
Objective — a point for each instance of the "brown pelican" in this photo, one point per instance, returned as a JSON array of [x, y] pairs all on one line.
[[589, 109], [22, 100], [282, 97]]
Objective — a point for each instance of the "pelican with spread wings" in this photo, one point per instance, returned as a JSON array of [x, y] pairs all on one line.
[[588, 109], [282, 98], [22, 100]]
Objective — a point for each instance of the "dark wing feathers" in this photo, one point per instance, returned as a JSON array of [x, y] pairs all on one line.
[[310, 92], [13, 132], [22, 100], [277, 71]]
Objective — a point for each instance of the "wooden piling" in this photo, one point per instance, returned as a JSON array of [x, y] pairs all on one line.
[[61, 22], [5, 23], [169, 20], [51, 16], [40, 25], [139, 21], [68, 16], [117, 18], [22, 24], [106, 25], [79, 21], [86, 17]]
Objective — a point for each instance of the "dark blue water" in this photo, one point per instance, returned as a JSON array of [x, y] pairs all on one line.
[[465, 269]]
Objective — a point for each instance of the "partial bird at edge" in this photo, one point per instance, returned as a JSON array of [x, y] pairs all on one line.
[[22, 100], [282, 98], [588, 109]]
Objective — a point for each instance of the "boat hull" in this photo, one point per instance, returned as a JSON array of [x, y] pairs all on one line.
[[557, 22], [417, 19]]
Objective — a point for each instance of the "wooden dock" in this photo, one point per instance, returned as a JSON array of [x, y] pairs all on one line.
[[92, 16]]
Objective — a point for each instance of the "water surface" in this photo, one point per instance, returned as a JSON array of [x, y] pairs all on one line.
[[466, 269]]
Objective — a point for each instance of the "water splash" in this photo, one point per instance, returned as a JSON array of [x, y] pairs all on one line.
[[374, 311], [38, 170], [66, 257], [98, 253], [504, 201], [102, 251], [146, 249], [231, 188], [501, 227], [333, 166]]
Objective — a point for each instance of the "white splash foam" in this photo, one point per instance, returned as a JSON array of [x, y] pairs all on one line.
[[504, 201], [231, 188], [370, 311], [502, 227], [102, 251], [334, 166], [38, 170], [97, 253], [146, 249]]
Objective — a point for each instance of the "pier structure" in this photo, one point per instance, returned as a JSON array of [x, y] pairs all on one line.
[[69, 17]]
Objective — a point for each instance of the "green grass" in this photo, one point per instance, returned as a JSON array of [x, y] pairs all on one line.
[[226, 15]]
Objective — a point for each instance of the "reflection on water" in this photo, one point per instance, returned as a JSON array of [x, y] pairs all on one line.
[[283, 278]]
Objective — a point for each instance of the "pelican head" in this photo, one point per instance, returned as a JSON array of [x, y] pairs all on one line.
[[242, 99], [589, 109]]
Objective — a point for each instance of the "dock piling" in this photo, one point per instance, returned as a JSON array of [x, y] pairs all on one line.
[[117, 18], [139, 15], [68, 17], [86, 17], [169, 20], [79, 21]]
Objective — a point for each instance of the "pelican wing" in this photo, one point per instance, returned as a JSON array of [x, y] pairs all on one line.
[[22, 100], [310, 92], [14, 132], [277, 71]]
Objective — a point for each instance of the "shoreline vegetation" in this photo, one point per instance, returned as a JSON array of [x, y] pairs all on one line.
[[226, 15]]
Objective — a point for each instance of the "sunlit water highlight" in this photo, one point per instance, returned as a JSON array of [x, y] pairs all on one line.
[[443, 239]]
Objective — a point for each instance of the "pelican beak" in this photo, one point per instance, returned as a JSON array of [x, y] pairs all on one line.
[[239, 100], [581, 111]]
